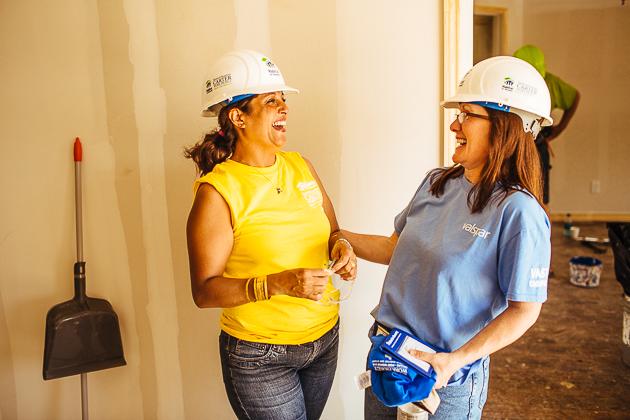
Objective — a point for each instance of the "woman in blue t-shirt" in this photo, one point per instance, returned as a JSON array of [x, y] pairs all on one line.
[[469, 257]]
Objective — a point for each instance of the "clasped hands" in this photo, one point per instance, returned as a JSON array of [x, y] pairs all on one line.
[[310, 283]]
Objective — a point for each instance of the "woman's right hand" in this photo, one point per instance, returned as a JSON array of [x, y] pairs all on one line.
[[307, 283]]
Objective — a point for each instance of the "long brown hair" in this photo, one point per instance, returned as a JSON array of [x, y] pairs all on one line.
[[219, 144], [513, 164]]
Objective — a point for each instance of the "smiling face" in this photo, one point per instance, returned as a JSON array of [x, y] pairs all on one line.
[[473, 141], [266, 122]]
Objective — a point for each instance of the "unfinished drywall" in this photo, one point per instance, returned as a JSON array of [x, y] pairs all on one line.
[[53, 73], [127, 77]]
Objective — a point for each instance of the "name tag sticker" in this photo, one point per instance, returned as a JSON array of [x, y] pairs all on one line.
[[398, 344]]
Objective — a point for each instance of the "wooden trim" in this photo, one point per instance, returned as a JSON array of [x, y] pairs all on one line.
[[457, 60], [503, 14], [452, 55], [505, 17], [592, 217], [451, 64], [489, 10]]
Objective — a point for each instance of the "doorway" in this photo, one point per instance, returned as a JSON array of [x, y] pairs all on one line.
[[489, 32]]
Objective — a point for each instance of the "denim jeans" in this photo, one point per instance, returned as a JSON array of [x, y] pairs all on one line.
[[273, 381], [463, 401]]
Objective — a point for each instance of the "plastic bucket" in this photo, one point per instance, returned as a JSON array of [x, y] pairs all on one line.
[[585, 271]]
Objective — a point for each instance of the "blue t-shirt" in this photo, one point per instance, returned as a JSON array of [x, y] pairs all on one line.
[[452, 271]]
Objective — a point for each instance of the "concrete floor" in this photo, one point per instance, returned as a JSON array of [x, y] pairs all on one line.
[[568, 366]]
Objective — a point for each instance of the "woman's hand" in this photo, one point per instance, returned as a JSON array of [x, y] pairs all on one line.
[[444, 364], [345, 261], [307, 283], [499, 333]]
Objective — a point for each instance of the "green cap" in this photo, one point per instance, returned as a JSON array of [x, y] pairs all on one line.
[[534, 56]]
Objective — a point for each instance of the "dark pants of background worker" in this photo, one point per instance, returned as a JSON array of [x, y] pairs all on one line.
[[545, 163], [619, 234]]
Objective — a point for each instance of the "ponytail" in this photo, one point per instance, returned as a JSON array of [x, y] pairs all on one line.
[[218, 145]]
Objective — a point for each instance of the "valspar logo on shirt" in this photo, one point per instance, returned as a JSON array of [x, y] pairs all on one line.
[[476, 231], [311, 193], [538, 276]]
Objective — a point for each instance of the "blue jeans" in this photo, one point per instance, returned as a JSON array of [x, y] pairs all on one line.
[[463, 401], [274, 381]]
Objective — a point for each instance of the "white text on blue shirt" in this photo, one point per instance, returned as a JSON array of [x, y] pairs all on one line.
[[475, 231]]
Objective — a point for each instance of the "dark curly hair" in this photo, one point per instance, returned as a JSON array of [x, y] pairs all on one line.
[[219, 144]]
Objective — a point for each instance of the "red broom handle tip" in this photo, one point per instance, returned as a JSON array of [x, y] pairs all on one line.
[[78, 150]]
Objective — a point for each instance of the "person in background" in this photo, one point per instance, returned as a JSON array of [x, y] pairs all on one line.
[[261, 232], [469, 257], [563, 96], [619, 234]]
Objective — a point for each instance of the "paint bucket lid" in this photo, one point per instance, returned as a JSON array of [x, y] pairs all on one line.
[[585, 271]]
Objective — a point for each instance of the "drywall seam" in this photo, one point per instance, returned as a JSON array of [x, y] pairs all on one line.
[[150, 113]]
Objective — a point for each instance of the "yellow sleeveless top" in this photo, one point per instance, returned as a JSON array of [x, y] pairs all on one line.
[[273, 232]]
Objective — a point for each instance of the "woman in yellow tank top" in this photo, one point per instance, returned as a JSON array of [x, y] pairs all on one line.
[[260, 234]]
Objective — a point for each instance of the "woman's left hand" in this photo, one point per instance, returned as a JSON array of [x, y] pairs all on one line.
[[345, 260], [444, 365]]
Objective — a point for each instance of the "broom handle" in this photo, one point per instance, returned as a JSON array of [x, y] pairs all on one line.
[[84, 397], [78, 157], [78, 197]]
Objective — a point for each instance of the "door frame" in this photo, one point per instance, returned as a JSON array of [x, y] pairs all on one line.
[[503, 14], [457, 60]]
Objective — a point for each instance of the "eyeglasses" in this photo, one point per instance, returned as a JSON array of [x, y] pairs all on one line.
[[461, 117]]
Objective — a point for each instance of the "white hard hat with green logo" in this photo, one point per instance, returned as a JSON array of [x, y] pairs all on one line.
[[238, 75], [507, 84]]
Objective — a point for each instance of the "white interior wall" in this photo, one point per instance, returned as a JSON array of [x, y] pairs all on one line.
[[126, 77], [389, 119]]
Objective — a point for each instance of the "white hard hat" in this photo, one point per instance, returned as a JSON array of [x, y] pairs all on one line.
[[237, 75], [508, 84]]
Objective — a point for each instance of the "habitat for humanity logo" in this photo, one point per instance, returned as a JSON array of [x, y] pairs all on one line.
[[508, 84], [218, 82], [271, 68]]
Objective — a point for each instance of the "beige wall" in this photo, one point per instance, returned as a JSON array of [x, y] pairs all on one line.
[[587, 43], [125, 76], [514, 20]]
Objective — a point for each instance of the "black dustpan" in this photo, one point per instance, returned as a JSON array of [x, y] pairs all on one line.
[[82, 334]]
